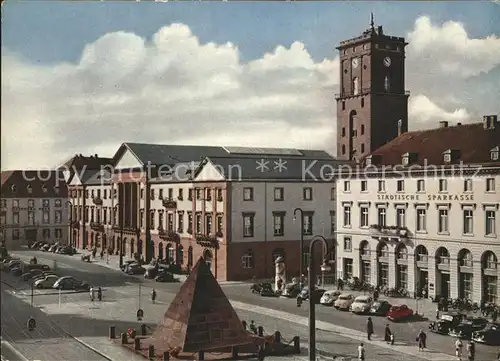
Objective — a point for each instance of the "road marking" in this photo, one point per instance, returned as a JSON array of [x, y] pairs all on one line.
[[341, 331]]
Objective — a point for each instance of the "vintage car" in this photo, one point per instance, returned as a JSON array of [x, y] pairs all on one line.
[[47, 282], [446, 322], [490, 335], [467, 327], [380, 308], [399, 313], [165, 277], [70, 283], [291, 290], [317, 294], [344, 302], [257, 287], [329, 297], [361, 305], [266, 290]]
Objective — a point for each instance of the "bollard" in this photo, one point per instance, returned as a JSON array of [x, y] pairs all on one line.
[[124, 339], [112, 332], [277, 337], [137, 344], [260, 331], [296, 344], [166, 356], [143, 330], [201, 355], [151, 352], [234, 350]]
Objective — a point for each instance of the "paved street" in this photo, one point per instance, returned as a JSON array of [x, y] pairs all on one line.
[[122, 294]]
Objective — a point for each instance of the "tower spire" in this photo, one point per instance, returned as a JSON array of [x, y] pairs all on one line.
[[372, 23]]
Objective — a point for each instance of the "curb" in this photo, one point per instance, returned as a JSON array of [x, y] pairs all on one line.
[[77, 339]]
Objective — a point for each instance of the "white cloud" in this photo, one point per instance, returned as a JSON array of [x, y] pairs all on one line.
[[172, 89]]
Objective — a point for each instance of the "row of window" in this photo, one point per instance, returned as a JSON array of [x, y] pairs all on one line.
[[16, 235], [31, 203], [32, 218], [443, 220], [29, 188], [279, 194], [400, 185]]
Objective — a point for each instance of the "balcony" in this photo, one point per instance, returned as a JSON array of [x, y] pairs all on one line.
[[97, 226], [207, 241], [393, 232], [169, 203], [97, 201]]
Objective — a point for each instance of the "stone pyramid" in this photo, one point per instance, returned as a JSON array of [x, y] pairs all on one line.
[[200, 317]]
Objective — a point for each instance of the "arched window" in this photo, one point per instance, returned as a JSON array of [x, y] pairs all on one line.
[[490, 261], [443, 256], [355, 85], [170, 253], [247, 259], [383, 250], [364, 248], [421, 254], [13, 188], [465, 258], [180, 254], [29, 188], [402, 252], [387, 84]]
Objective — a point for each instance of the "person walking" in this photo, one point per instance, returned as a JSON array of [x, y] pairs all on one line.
[[387, 333], [99, 294], [153, 295], [92, 293], [361, 352], [458, 349], [422, 340], [471, 350], [369, 328]]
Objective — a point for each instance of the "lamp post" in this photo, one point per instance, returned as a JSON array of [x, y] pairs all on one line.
[[120, 246], [70, 228], [312, 306], [301, 245]]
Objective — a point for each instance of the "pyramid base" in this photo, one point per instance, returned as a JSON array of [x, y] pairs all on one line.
[[245, 352]]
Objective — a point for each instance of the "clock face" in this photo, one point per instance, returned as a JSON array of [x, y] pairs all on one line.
[[355, 62], [387, 61]]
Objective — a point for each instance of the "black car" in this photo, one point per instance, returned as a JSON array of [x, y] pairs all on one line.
[[490, 335], [446, 322], [317, 293], [267, 290], [380, 308], [257, 287], [468, 326], [165, 277]]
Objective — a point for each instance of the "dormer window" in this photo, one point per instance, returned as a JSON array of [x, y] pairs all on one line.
[[13, 188], [368, 160], [451, 156], [409, 158], [44, 188], [495, 153], [29, 189]]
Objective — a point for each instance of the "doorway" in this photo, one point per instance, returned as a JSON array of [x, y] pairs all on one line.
[[445, 285]]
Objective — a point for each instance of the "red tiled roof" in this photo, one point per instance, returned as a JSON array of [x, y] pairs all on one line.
[[472, 141], [42, 183]]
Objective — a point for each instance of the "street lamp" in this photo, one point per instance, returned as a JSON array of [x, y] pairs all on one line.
[[325, 267], [70, 228], [301, 238], [120, 246]]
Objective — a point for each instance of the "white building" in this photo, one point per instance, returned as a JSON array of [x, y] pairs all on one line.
[[411, 225], [33, 207]]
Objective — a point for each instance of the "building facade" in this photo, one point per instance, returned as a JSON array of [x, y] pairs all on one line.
[[33, 207], [424, 213]]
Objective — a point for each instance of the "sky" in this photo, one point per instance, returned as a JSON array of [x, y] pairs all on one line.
[[84, 77]]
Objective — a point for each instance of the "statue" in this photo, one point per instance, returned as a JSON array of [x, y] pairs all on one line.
[[280, 277]]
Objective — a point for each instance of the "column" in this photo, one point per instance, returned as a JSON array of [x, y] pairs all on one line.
[[393, 270], [412, 268], [374, 267], [356, 262], [454, 278], [431, 268], [477, 281]]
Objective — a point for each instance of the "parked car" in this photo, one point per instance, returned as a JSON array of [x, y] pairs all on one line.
[[446, 322], [291, 290], [152, 272], [399, 313], [490, 335], [257, 287], [125, 264], [317, 294], [165, 277], [344, 302], [467, 327], [16, 271], [44, 274], [267, 290], [70, 283], [329, 297], [380, 308], [361, 305], [47, 282], [135, 269], [31, 274], [67, 250]]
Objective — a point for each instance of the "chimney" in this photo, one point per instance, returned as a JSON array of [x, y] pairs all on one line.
[[443, 124], [380, 30], [459, 124], [95, 156], [400, 126], [490, 121]]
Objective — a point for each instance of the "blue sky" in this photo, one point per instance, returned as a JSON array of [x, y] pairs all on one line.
[[47, 32]]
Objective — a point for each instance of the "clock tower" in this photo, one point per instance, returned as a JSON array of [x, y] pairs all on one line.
[[372, 106]]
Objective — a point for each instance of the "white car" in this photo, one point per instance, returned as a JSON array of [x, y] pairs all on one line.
[[47, 282], [362, 304], [344, 302], [329, 297]]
